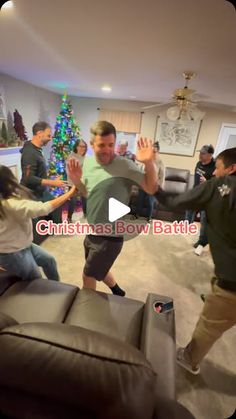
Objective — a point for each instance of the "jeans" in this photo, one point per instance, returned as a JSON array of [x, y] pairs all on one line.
[[190, 216], [25, 263], [203, 240], [143, 198]]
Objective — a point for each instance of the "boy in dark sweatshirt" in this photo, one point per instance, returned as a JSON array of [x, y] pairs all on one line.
[[218, 198]]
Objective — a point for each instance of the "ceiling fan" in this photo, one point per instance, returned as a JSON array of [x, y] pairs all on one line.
[[184, 107]]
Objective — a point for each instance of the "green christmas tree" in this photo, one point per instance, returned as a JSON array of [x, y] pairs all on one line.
[[11, 131], [67, 132], [4, 134]]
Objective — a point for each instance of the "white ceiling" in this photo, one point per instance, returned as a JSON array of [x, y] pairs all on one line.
[[138, 47]]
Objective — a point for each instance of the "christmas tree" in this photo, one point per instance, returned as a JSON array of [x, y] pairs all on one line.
[[4, 134], [19, 127], [11, 131], [67, 132]]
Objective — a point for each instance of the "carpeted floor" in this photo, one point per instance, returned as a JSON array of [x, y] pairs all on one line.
[[167, 265]]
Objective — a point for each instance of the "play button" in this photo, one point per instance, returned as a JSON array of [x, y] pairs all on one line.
[[116, 209], [111, 209]]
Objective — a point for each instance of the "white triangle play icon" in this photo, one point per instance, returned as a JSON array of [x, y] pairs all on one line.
[[116, 209]]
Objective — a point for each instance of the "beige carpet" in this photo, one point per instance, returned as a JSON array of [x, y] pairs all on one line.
[[167, 265]]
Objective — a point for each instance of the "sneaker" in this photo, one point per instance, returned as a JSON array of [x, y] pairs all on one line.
[[184, 363], [198, 251]]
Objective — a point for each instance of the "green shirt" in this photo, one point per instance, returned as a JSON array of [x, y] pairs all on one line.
[[102, 182]]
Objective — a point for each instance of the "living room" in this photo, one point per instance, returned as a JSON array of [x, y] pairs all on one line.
[[139, 51]]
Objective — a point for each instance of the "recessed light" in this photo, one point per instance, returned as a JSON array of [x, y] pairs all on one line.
[[7, 5], [106, 88]]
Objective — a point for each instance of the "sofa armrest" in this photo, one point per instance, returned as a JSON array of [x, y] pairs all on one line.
[[158, 343]]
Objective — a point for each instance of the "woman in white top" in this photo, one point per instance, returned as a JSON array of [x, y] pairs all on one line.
[[18, 255], [79, 152]]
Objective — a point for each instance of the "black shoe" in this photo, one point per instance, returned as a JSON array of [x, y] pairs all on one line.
[[195, 245], [116, 290], [203, 297]]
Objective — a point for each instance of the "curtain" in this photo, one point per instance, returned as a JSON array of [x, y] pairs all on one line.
[[123, 121]]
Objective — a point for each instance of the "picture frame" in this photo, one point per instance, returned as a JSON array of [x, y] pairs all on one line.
[[3, 111], [177, 137]]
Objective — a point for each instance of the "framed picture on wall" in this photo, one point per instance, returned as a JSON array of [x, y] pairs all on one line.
[[177, 137], [3, 111]]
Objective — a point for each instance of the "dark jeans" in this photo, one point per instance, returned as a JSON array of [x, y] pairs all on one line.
[[190, 216], [149, 200], [56, 215], [72, 204], [203, 240]]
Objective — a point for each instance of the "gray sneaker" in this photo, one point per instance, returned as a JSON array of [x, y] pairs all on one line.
[[198, 251]]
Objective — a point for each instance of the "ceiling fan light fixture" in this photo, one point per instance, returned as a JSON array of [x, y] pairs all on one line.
[[184, 113]]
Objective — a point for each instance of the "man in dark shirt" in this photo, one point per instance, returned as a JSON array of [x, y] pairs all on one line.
[[218, 198], [203, 171], [34, 170]]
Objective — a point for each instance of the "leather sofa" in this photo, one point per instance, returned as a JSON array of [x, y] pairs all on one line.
[[176, 182], [71, 353]]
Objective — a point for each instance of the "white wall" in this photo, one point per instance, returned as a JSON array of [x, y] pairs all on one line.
[[33, 103], [85, 110], [36, 104]]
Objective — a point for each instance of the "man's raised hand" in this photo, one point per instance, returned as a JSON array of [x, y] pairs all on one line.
[[145, 153], [74, 171]]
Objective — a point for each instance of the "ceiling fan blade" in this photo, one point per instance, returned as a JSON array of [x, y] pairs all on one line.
[[156, 105], [198, 96]]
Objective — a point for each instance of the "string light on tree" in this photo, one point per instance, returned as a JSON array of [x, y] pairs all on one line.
[[67, 132]]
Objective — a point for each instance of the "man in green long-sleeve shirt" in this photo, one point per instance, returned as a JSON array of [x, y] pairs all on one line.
[[218, 198]]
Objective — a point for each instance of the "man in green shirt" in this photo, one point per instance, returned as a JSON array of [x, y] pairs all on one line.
[[107, 175], [217, 197]]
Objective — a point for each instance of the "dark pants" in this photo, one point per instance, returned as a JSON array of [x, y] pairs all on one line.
[[190, 216], [72, 205], [56, 215], [145, 204]]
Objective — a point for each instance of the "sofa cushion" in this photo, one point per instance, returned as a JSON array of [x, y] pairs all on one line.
[[6, 321], [72, 365], [38, 301], [106, 313]]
